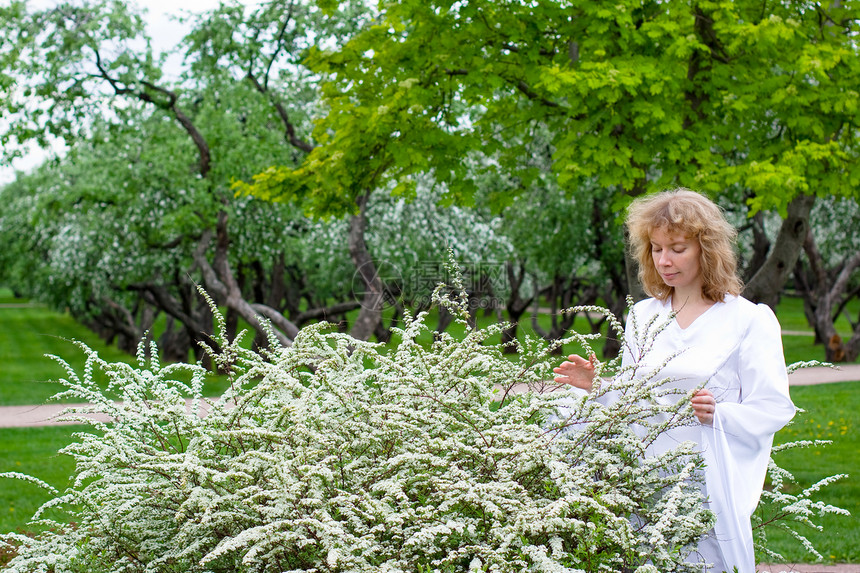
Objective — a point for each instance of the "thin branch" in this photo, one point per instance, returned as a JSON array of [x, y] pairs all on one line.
[[292, 138], [531, 94]]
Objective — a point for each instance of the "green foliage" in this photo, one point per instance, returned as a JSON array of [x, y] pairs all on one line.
[[61, 54], [637, 97]]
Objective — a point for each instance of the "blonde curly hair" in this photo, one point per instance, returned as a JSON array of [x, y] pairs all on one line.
[[685, 212]]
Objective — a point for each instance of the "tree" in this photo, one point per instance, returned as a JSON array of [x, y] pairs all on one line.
[[79, 62], [111, 230], [101, 220], [828, 278], [256, 50], [566, 252], [635, 97], [541, 97]]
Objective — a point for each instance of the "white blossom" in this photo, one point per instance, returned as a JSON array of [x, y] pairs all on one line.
[[342, 455]]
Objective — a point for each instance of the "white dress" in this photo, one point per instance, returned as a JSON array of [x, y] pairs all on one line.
[[734, 349]]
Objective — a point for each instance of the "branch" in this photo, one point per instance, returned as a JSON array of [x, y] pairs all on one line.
[[219, 279], [325, 312], [534, 318], [524, 88], [279, 44], [128, 326], [293, 139], [841, 282], [841, 307], [162, 299], [704, 25], [204, 163], [277, 319], [816, 262]]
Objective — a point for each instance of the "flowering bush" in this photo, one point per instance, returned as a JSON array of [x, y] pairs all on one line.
[[339, 455]]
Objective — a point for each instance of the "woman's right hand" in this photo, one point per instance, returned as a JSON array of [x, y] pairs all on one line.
[[576, 371]]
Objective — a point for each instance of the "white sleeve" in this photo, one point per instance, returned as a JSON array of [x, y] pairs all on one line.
[[737, 446], [765, 406]]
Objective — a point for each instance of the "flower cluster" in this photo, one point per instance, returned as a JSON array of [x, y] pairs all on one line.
[[342, 455]]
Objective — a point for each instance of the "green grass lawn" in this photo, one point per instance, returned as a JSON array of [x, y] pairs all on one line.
[[832, 412], [31, 451], [29, 333]]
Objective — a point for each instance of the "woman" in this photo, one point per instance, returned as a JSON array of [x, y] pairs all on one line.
[[722, 344]]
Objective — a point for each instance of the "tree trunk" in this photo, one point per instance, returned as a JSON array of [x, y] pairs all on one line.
[[445, 320], [231, 324], [277, 289], [614, 290], [197, 326], [819, 301], [174, 343], [560, 296], [631, 272], [761, 247], [824, 293], [616, 305], [804, 285], [852, 347], [370, 314], [219, 279], [116, 321], [515, 305], [768, 282], [510, 341], [382, 332]]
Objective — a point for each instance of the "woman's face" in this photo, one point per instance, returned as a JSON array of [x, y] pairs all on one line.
[[677, 259]]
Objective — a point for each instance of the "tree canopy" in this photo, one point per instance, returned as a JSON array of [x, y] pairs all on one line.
[[513, 131], [639, 96]]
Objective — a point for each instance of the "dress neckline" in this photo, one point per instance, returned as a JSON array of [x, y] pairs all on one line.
[[668, 305]]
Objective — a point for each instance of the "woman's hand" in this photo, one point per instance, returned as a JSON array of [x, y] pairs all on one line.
[[703, 406], [576, 371]]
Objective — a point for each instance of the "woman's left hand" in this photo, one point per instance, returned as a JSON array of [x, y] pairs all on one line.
[[704, 406]]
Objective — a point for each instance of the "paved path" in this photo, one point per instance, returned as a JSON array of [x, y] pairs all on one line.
[[807, 568], [45, 414], [824, 374]]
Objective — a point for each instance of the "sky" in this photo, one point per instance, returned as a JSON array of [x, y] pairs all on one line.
[[165, 33]]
